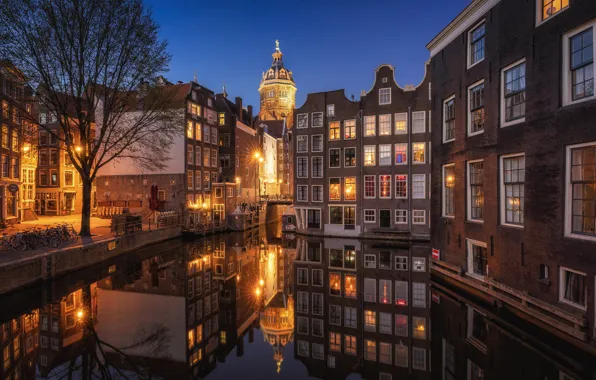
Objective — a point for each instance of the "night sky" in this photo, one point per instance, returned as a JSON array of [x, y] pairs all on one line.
[[328, 44]]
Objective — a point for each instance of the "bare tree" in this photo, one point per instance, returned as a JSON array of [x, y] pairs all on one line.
[[94, 63]]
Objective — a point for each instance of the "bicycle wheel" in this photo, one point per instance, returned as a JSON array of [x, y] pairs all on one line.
[[19, 245], [54, 242]]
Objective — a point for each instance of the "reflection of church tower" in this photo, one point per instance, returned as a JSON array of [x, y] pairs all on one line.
[[278, 91], [277, 324]]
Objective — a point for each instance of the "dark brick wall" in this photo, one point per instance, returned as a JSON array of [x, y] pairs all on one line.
[[514, 254]]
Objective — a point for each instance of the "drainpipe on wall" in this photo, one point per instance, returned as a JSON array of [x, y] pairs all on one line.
[[410, 183], [359, 156]]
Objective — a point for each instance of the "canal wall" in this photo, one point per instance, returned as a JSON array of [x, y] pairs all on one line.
[[43, 266]]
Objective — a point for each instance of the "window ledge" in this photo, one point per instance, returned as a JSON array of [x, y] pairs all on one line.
[[472, 221], [475, 63], [512, 226], [544, 281], [572, 235], [472, 134], [574, 305], [513, 122]]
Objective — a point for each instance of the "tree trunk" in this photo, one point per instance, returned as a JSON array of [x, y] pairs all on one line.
[[86, 214]]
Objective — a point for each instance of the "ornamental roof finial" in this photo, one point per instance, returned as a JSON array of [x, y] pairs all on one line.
[[276, 45], [224, 93]]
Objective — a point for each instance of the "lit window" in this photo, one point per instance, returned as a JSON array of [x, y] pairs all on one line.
[[449, 119], [370, 155], [385, 356], [401, 186], [370, 350], [514, 93], [384, 125], [369, 125], [477, 259], [401, 123], [476, 190], [552, 7], [401, 153], [369, 186], [350, 285], [572, 288], [334, 133], [401, 293], [334, 341], [384, 96], [350, 345], [385, 291], [419, 216], [419, 327], [189, 129], [385, 186], [370, 320], [448, 190], [418, 122], [476, 108], [334, 189], [476, 47], [349, 129], [350, 188], [222, 118], [512, 198], [335, 284], [418, 153]]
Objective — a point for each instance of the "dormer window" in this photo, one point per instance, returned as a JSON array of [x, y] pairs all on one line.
[[385, 96], [549, 8], [331, 110], [476, 45]]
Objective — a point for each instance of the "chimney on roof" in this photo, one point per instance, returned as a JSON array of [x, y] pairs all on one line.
[[249, 110], [239, 107], [180, 82]]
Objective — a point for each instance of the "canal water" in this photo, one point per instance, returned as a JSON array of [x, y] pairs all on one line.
[[263, 304]]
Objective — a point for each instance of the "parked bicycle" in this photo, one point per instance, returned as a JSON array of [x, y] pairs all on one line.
[[33, 238]]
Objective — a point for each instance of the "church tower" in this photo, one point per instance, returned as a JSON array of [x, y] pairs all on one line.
[[277, 91]]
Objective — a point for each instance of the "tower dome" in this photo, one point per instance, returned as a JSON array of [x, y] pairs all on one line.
[[277, 91]]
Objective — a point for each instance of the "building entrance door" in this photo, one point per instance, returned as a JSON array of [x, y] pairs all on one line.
[[385, 218]]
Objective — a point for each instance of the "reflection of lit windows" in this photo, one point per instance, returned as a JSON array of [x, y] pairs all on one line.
[[330, 361], [302, 276], [370, 320], [401, 293], [335, 284], [350, 285], [335, 315], [419, 264], [401, 325], [334, 341], [350, 345], [303, 348], [191, 338], [385, 353], [370, 260], [317, 277], [350, 317], [385, 259], [477, 328], [370, 350], [401, 355], [318, 351], [302, 325], [449, 361], [317, 327], [419, 294], [317, 304], [385, 323], [385, 291], [419, 327], [302, 302], [370, 155], [370, 290], [401, 263], [419, 358], [477, 373]]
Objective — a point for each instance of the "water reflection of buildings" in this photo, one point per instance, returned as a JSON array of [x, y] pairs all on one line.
[[362, 307]]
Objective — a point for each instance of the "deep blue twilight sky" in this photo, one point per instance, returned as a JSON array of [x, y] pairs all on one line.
[[328, 44]]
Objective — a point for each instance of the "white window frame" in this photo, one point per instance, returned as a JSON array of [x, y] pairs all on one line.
[[405, 215], [355, 157], [322, 194], [298, 118], [414, 366], [321, 327], [569, 194], [394, 156], [539, 9], [400, 116], [469, 44], [562, 288], [329, 155], [367, 260], [313, 276], [355, 130], [468, 108], [412, 155], [302, 270], [470, 258], [374, 216], [424, 192], [300, 345], [414, 114], [322, 298], [390, 186], [381, 92], [322, 167], [423, 217], [445, 140], [298, 171], [330, 110], [502, 189], [364, 156], [407, 186], [503, 107], [312, 145], [567, 95], [390, 154], [389, 130], [298, 142], [302, 321], [374, 117], [418, 264], [322, 120], [469, 193], [443, 183], [298, 192]]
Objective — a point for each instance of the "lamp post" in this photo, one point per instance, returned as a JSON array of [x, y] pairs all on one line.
[[258, 161]]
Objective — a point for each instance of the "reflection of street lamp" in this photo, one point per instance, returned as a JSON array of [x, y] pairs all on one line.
[[78, 149], [258, 292], [80, 315], [261, 282]]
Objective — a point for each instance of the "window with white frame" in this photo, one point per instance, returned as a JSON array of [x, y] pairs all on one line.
[[419, 264], [476, 108], [302, 167], [317, 304], [419, 327], [370, 155], [334, 341], [370, 288], [419, 216], [317, 193], [401, 186], [370, 350], [350, 285], [369, 126], [384, 96], [401, 355], [418, 153], [302, 302], [349, 129], [302, 120], [370, 216], [418, 294], [476, 38], [318, 351], [513, 174], [419, 122], [401, 293], [385, 186], [385, 296], [335, 315], [549, 8], [572, 288], [334, 189], [370, 260], [401, 325], [474, 371], [385, 357], [350, 345], [578, 64], [401, 153], [384, 125], [302, 193], [513, 99], [330, 109], [334, 160], [370, 190], [477, 258], [401, 123], [476, 190], [449, 119], [317, 119], [302, 276], [350, 317], [349, 157], [370, 320], [419, 186], [302, 144], [313, 218], [317, 143], [401, 263], [317, 167], [384, 154], [581, 220], [448, 190], [419, 358], [385, 325], [334, 131], [303, 348]]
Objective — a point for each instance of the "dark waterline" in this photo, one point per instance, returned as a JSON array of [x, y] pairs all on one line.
[[142, 315]]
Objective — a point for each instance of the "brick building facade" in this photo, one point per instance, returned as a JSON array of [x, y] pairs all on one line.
[[513, 152]]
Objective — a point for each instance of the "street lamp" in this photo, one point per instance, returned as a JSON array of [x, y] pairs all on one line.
[[78, 149]]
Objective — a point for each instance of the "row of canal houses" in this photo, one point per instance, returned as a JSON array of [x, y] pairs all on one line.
[[489, 160]]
